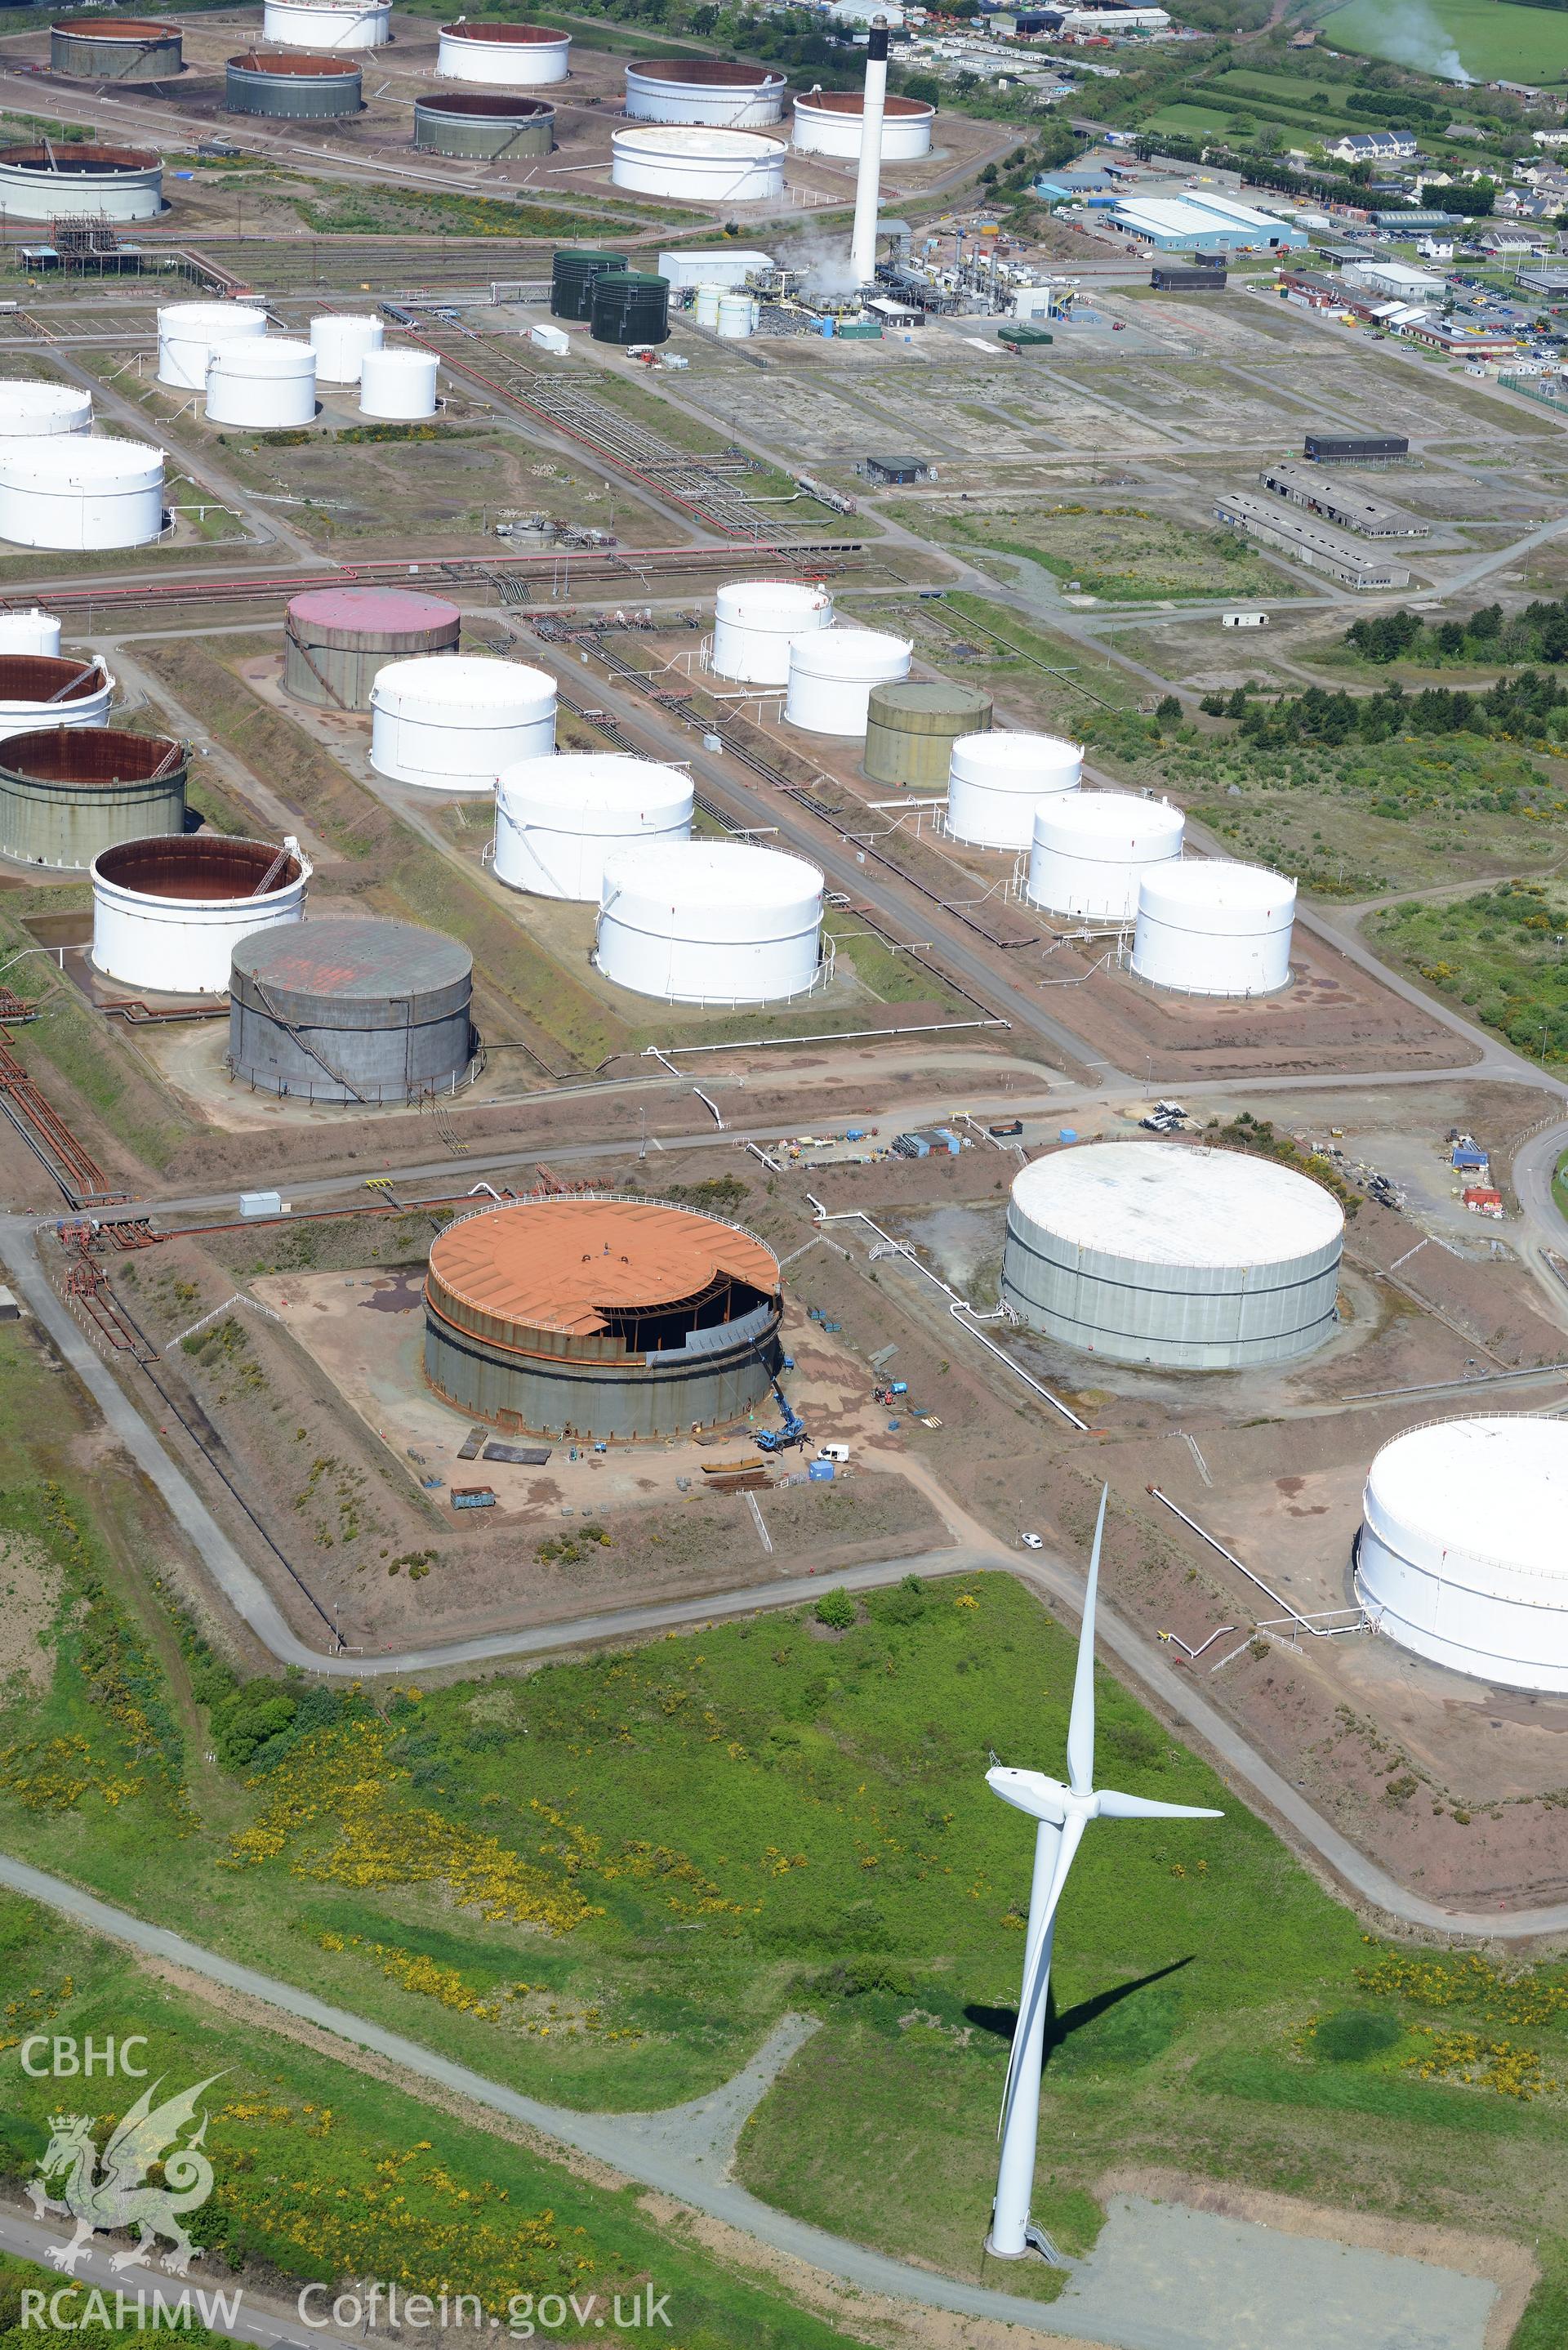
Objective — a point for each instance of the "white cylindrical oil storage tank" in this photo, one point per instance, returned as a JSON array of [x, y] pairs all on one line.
[[829, 122], [30, 632], [832, 672], [328, 23], [1209, 927], [1177, 1257], [996, 781], [1460, 1554], [705, 305], [38, 691], [737, 319], [30, 411], [708, 90], [1091, 849], [169, 912], [340, 341], [268, 383], [450, 724], [557, 820], [754, 622], [399, 384], [710, 922], [190, 332], [50, 183], [731, 167], [70, 492], [508, 56]]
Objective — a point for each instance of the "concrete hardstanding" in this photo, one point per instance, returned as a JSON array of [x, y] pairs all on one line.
[[66, 793], [350, 1010], [911, 731]]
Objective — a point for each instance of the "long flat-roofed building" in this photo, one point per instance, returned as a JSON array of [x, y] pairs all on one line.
[[1345, 503], [1305, 540]]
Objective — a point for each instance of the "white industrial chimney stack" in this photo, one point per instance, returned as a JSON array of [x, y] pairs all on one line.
[[869, 182]]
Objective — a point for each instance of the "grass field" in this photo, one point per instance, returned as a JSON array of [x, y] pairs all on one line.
[[1119, 553], [1490, 39]]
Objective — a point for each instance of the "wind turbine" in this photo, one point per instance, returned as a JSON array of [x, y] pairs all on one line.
[[1061, 1814]]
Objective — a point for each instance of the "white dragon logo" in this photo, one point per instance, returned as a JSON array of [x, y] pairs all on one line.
[[116, 2196]]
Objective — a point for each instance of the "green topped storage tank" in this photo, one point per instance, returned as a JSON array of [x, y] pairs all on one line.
[[631, 306], [911, 729], [573, 274]]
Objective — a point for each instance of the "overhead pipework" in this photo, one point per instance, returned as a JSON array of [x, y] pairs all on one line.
[[512, 56], [86, 182], [351, 1010], [911, 727], [868, 176], [486, 125], [190, 332], [400, 385], [1091, 849], [1209, 927], [557, 819], [833, 123], [705, 921], [996, 780], [36, 691], [167, 912], [335, 640], [754, 621], [116, 49], [710, 92], [67, 792], [266, 383], [328, 23], [31, 411], [289, 86], [1174, 1257], [697, 165], [452, 725], [611, 1320], [832, 672], [340, 339]]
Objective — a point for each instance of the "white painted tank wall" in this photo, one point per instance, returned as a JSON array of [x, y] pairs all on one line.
[[1091, 849], [72, 493], [995, 782], [557, 819], [832, 672], [190, 332], [266, 382], [710, 922], [135, 193], [327, 24], [503, 64], [36, 411], [181, 946], [340, 341], [729, 106], [450, 724], [1461, 1555], [1209, 927], [398, 383], [83, 710], [836, 130], [733, 167], [30, 632], [754, 621]]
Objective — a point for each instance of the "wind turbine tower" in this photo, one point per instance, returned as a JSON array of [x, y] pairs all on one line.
[[1061, 1814]]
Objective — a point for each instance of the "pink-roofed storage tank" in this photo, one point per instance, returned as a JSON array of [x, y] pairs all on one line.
[[336, 639]]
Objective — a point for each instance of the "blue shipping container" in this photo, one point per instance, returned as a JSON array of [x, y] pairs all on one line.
[[820, 1472]]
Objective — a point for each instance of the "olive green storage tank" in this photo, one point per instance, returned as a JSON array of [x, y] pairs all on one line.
[[911, 729]]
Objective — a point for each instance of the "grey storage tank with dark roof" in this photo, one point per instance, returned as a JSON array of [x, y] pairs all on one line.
[[336, 639], [351, 1010]]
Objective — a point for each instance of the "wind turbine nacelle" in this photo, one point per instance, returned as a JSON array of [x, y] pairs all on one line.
[[1031, 1791]]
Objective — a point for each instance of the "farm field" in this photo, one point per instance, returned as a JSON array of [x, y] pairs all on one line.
[[1491, 38]]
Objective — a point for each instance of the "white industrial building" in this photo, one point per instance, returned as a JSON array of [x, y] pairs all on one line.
[[72, 493], [504, 56], [1199, 222], [190, 332], [264, 383], [557, 819], [1089, 851], [169, 912], [341, 340], [1396, 279], [692, 265], [754, 621], [832, 672], [328, 23], [450, 722], [1316, 544], [731, 167], [703, 921], [1461, 1555], [398, 384], [31, 410], [1173, 1256], [996, 781], [1209, 927]]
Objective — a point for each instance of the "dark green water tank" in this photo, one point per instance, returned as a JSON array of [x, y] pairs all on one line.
[[632, 307], [572, 274]]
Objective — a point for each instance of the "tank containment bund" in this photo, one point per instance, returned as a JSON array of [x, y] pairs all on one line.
[[284, 87], [51, 183], [705, 921], [35, 411], [340, 341], [557, 819], [1460, 1554], [708, 92], [832, 672], [401, 384], [911, 730], [337, 641], [605, 1319], [267, 384], [733, 167], [1091, 849], [328, 23], [30, 632], [347, 1010], [190, 332], [630, 306], [493, 128], [36, 692], [514, 56], [573, 272], [452, 725], [72, 493], [829, 122], [1209, 927], [1173, 1256], [997, 780], [116, 49], [753, 622], [67, 792], [169, 912]]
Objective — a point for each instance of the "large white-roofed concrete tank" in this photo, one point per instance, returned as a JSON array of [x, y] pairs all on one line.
[[754, 619], [1209, 927], [32, 631], [736, 167], [71, 492], [452, 723], [399, 384], [832, 672], [1091, 849], [557, 819], [340, 339], [997, 780], [190, 332], [263, 384], [38, 410], [706, 922]]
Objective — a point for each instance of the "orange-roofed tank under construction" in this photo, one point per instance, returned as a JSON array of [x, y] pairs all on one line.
[[612, 1319]]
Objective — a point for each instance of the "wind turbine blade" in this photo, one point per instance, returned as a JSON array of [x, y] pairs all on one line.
[[1081, 1722], [1037, 1962], [1140, 1807]]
